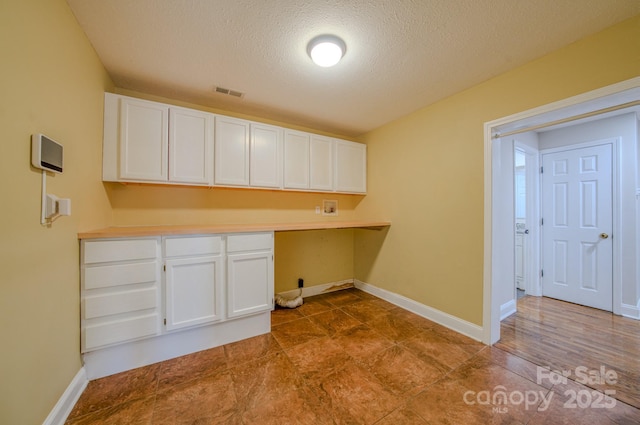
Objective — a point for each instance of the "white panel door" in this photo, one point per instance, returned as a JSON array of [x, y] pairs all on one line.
[[144, 140], [577, 212], [231, 152], [190, 146], [249, 283], [321, 163], [266, 156], [296, 160], [193, 291]]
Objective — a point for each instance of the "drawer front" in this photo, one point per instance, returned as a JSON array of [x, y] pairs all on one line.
[[119, 250], [200, 245], [119, 274], [250, 242], [120, 302], [119, 331]]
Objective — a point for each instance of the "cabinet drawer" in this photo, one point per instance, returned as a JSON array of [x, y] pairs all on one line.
[[119, 331], [119, 250], [201, 245], [119, 302], [119, 274], [250, 242]]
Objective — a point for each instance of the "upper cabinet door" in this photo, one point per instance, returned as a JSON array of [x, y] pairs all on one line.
[[321, 163], [351, 167], [143, 140], [266, 156], [231, 152], [191, 146], [296, 160]]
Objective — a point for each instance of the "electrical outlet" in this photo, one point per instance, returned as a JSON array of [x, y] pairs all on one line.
[[300, 282], [318, 210]]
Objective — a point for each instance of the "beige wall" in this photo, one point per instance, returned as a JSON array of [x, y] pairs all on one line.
[[317, 256], [428, 177], [51, 81]]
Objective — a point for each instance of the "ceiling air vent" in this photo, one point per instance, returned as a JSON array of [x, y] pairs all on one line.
[[229, 92]]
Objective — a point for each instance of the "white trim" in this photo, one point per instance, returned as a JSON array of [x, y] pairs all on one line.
[[615, 94], [507, 309], [69, 398], [143, 352], [318, 289], [631, 311], [461, 326]]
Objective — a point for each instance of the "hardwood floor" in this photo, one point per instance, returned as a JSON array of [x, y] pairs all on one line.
[[579, 340]]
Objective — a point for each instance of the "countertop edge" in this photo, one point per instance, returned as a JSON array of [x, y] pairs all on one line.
[[171, 230]]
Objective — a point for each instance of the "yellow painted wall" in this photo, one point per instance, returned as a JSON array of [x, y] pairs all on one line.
[[429, 173], [51, 81], [317, 256]]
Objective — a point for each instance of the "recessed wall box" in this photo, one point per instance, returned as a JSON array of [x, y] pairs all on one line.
[[46, 153]]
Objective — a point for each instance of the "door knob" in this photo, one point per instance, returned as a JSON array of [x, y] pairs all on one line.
[[604, 235]]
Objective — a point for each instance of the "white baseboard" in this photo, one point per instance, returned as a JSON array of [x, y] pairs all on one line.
[[462, 326], [143, 352], [631, 311], [69, 398], [310, 291], [507, 309]]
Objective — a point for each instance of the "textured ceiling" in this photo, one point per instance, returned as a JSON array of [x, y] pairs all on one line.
[[401, 55]]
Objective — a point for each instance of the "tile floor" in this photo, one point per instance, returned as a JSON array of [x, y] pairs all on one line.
[[342, 358]]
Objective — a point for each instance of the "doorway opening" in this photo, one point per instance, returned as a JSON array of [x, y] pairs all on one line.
[[499, 228]]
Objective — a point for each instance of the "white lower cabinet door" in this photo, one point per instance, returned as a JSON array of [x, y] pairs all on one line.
[[193, 291], [249, 283]]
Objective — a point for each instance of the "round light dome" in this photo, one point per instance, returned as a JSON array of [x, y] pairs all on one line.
[[326, 50]]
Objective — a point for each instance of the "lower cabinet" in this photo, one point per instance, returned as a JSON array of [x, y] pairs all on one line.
[[120, 291], [249, 274], [194, 277], [137, 288]]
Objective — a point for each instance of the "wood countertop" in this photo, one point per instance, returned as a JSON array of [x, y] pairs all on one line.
[[136, 231]]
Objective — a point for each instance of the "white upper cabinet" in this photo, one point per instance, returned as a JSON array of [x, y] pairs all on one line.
[[296, 159], [266, 156], [231, 151], [153, 142], [144, 140], [191, 146], [321, 163], [350, 167]]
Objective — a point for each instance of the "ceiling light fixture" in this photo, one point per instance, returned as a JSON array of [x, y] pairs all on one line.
[[326, 50]]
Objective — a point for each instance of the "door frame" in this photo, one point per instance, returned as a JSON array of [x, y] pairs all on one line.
[[496, 234], [616, 246]]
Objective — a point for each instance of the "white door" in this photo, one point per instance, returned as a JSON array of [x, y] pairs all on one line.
[[351, 167], [296, 160], [520, 193], [231, 152], [321, 163], [194, 291], [266, 156], [577, 249], [144, 140], [191, 145], [249, 283]]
